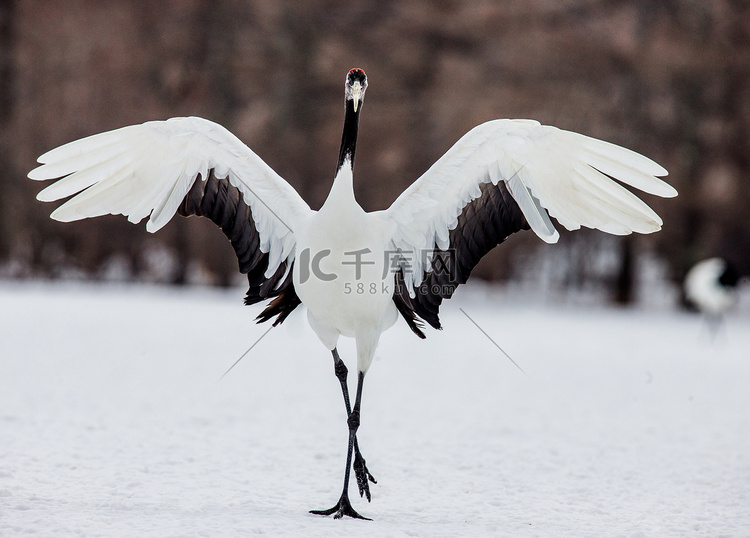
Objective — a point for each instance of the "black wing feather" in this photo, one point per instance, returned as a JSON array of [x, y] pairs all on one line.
[[224, 204], [484, 223]]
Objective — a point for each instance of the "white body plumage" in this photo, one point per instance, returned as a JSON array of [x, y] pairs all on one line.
[[347, 285]]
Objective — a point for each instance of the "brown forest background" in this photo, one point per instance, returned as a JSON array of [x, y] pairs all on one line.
[[670, 79]]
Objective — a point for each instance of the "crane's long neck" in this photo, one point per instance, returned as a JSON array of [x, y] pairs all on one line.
[[343, 184], [349, 136]]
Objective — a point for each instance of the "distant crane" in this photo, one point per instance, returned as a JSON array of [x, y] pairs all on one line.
[[711, 286], [356, 271]]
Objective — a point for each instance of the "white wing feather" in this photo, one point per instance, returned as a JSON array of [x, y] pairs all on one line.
[[546, 170], [146, 170]]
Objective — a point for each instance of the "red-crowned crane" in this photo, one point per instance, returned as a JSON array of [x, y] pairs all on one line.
[[711, 287], [356, 271]]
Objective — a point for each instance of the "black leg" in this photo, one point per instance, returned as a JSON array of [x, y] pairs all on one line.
[[343, 507], [341, 372], [361, 473], [713, 323]]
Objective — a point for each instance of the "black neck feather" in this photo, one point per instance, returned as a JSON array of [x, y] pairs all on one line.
[[349, 137]]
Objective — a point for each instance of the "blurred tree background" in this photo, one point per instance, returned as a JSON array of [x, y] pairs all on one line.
[[670, 79]]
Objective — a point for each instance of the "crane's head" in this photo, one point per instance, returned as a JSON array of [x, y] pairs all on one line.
[[356, 84]]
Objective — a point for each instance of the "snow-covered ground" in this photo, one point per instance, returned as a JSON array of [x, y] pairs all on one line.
[[113, 421]]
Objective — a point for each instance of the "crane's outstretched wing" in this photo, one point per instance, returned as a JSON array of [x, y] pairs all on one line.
[[501, 177], [190, 165]]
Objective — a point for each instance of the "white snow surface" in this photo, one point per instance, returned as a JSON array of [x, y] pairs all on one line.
[[113, 420]]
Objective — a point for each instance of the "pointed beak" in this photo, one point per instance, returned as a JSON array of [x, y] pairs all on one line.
[[357, 94]]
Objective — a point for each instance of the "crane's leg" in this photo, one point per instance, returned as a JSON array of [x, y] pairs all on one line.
[[713, 323], [343, 507], [361, 472]]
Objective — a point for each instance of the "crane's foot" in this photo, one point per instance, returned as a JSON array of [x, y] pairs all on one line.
[[363, 476], [342, 508]]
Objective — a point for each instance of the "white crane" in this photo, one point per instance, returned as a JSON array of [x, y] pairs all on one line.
[[357, 271], [711, 286]]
